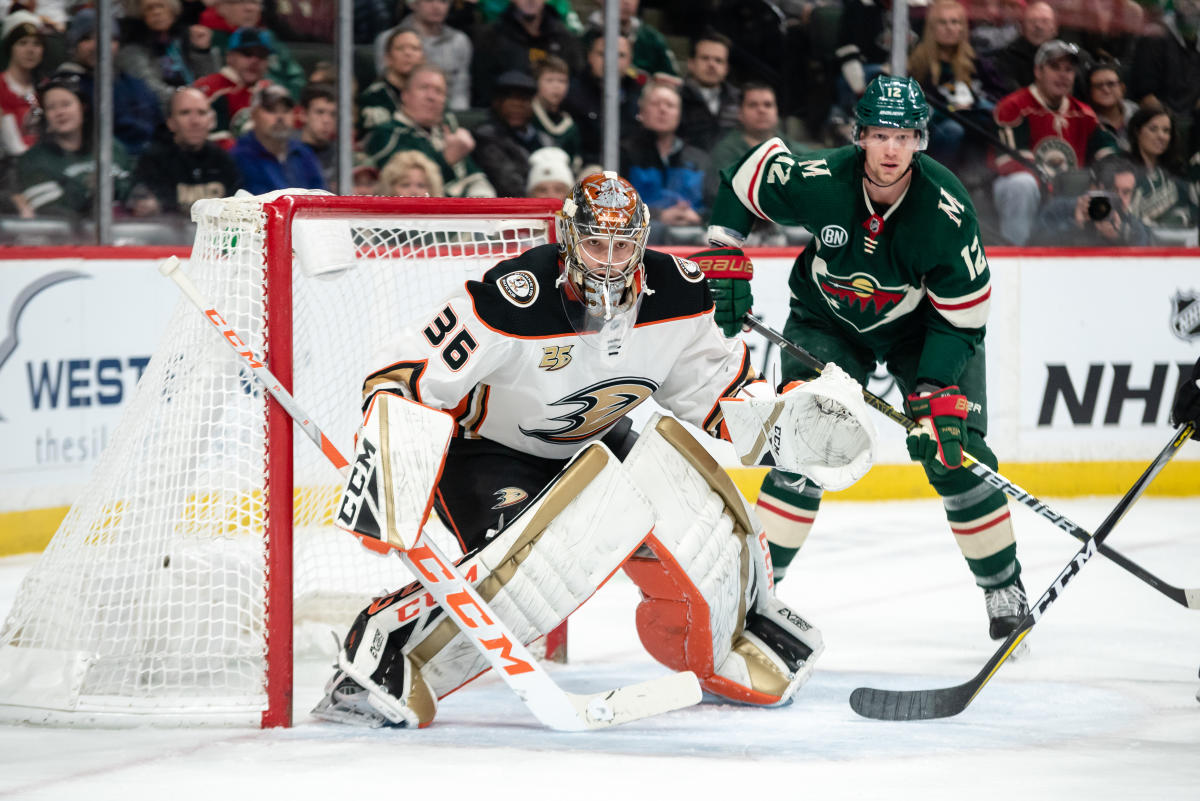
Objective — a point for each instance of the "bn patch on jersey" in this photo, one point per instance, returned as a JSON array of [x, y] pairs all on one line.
[[520, 287]]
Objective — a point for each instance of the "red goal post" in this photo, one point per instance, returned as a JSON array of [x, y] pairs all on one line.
[[172, 591]]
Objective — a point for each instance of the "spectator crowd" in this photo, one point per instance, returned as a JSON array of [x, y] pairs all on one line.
[[1069, 122]]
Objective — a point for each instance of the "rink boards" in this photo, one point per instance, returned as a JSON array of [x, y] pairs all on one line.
[[1085, 350]]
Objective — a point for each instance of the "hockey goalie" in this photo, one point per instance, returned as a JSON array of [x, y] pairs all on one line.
[[548, 490]]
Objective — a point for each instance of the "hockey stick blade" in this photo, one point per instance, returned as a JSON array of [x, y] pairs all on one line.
[[949, 701], [1188, 597], [524, 675], [637, 701]]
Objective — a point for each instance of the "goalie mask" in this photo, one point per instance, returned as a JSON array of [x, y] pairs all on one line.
[[602, 231]]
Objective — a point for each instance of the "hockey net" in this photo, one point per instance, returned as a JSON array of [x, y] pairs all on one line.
[[203, 545]]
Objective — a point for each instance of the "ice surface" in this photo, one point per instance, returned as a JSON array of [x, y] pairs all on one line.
[[1103, 707]]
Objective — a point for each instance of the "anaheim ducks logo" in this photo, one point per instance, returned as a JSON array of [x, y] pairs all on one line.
[[595, 408], [508, 496], [689, 269], [862, 300]]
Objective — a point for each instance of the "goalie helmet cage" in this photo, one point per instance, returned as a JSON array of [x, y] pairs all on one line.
[[203, 541]]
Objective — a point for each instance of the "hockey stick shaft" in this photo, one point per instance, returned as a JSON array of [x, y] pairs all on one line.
[[503, 650], [948, 701], [170, 268], [1189, 597]]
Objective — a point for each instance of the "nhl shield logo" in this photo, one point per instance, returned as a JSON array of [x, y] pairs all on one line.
[[1185, 315]]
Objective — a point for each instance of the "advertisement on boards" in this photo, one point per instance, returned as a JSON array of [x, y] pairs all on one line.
[[77, 336]]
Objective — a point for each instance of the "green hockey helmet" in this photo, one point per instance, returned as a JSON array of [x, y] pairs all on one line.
[[893, 102]]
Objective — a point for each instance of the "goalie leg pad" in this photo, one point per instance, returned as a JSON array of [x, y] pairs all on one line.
[[708, 602], [535, 572]]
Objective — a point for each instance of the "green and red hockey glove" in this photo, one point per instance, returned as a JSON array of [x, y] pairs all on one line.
[[728, 271], [941, 425]]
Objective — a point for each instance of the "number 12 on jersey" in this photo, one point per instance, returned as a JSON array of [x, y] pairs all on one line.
[[974, 259]]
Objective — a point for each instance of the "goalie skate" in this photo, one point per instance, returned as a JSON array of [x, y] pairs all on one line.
[[346, 701]]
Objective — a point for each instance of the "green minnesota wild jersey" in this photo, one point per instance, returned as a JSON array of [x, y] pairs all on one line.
[[914, 272]]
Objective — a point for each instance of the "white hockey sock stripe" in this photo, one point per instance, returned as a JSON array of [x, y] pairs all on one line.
[[986, 535]]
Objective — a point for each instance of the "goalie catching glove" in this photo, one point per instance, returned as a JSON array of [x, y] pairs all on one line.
[[820, 429], [941, 425], [728, 271]]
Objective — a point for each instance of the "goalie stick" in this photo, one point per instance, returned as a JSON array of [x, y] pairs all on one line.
[[506, 654], [948, 701], [1189, 597]]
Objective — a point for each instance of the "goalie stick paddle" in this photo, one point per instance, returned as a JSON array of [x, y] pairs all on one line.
[[1188, 597], [948, 701], [550, 704]]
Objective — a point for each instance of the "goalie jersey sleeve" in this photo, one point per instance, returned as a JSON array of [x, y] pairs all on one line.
[[914, 272], [502, 357]]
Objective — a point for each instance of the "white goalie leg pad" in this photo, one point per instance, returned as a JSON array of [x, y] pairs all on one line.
[[544, 564], [820, 429], [708, 594]]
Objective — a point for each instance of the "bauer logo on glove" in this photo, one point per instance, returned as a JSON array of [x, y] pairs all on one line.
[[941, 428]]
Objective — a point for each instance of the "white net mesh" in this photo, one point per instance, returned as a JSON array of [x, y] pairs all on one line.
[[151, 597]]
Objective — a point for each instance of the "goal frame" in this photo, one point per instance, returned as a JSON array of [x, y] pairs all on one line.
[[278, 356]]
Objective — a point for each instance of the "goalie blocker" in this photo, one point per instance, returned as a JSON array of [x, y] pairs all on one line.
[[704, 571]]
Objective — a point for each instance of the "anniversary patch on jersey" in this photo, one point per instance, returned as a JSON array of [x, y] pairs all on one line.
[[520, 288], [689, 269], [593, 409]]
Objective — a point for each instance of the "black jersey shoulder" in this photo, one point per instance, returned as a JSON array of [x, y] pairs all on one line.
[[679, 289], [518, 296]]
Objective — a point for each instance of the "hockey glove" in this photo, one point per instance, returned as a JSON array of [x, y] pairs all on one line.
[[1186, 408], [729, 272], [941, 426]]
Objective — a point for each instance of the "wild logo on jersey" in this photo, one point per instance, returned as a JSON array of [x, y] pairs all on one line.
[[861, 300], [593, 409]]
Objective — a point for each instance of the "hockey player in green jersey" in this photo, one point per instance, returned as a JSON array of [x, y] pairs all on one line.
[[894, 274]]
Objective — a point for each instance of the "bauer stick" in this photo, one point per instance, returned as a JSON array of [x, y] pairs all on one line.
[[510, 659], [947, 701], [1189, 597]]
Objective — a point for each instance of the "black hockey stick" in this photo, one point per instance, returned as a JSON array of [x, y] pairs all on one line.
[[947, 701], [1189, 597]]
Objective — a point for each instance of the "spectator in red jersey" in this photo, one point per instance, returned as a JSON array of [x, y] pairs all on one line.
[[1051, 130], [231, 90], [226, 16], [22, 47]]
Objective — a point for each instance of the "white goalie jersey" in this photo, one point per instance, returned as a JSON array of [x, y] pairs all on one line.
[[502, 356]]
